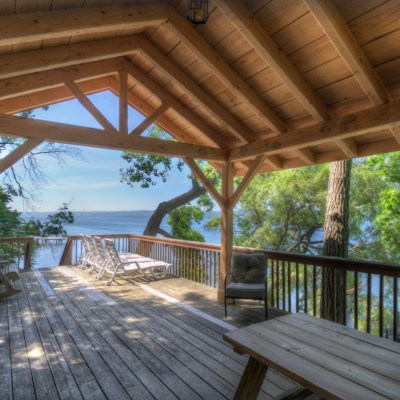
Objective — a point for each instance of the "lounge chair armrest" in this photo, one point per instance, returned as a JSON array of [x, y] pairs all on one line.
[[226, 278]]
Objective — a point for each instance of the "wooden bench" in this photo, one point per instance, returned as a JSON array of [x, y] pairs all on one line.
[[8, 274]]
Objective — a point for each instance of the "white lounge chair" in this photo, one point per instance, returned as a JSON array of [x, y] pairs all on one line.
[[138, 266], [8, 273]]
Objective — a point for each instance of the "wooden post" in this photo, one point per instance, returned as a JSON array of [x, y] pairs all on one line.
[[28, 254], [66, 257], [226, 226]]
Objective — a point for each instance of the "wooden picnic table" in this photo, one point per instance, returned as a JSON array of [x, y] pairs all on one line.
[[332, 360]]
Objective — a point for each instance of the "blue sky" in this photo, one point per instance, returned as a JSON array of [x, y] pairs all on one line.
[[92, 183]]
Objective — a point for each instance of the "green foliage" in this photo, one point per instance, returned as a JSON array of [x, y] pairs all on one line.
[[181, 221], [10, 222], [54, 225], [283, 210], [147, 169]]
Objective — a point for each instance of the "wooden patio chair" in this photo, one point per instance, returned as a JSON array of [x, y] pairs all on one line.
[[248, 278], [135, 266], [8, 274]]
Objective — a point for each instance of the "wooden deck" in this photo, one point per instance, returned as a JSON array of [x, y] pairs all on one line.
[[70, 337]]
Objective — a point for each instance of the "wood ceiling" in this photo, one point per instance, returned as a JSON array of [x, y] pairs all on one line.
[[286, 83]]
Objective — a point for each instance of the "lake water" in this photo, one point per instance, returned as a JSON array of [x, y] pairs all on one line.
[[106, 222]]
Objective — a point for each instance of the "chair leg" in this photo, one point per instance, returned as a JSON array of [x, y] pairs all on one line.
[[266, 309], [225, 308]]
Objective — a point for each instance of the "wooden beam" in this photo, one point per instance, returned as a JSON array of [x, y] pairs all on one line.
[[226, 226], [20, 152], [377, 118], [349, 147], [27, 62], [306, 155], [82, 136], [50, 96], [274, 161], [123, 102], [347, 46], [189, 36], [246, 180], [149, 120], [89, 106], [141, 78], [205, 181], [39, 81], [191, 87], [269, 51], [22, 28]]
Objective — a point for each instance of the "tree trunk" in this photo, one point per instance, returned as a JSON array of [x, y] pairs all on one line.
[[164, 208], [336, 241]]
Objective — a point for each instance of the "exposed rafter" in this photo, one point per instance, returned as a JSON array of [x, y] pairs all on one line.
[[251, 29], [70, 134], [22, 28], [46, 59], [376, 118], [184, 81], [225, 73], [123, 102], [40, 81]]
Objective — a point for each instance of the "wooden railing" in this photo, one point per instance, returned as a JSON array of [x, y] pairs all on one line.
[[17, 251], [371, 289]]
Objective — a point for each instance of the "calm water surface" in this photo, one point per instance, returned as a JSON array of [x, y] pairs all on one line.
[[102, 223]]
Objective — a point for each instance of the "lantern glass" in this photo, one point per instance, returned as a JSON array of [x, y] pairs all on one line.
[[197, 11]]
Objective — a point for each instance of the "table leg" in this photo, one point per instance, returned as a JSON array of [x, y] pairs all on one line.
[[251, 381]]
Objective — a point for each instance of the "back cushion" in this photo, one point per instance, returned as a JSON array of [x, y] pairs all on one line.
[[248, 268]]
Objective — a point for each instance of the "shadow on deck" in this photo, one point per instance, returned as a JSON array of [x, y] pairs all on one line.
[[69, 336]]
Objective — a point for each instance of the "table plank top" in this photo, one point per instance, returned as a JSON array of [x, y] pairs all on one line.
[[332, 360]]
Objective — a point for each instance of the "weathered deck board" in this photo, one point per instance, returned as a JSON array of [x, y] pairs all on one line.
[[72, 345]]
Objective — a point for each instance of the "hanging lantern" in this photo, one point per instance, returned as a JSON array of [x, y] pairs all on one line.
[[197, 11]]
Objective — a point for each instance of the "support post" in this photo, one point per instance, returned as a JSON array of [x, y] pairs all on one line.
[[226, 227]]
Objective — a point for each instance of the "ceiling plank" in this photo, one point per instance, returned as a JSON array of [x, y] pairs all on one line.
[[27, 62], [20, 152], [141, 78], [377, 118], [186, 83], [22, 28], [56, 132], [39, 81], [184, 30], [89, 106], [205, 181], [150, 119], [338, 32], [347, 46], [274, 161], [269, 51]]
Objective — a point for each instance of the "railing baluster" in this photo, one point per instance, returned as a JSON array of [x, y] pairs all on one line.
[[369, 303], [314, 290], [356, 300], [283, 286], [290, 286], [297, 287], [305, 289], [272, 287], [395, 309], [381, 305]]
